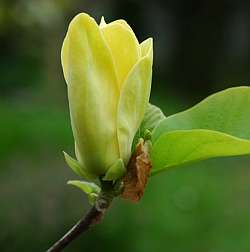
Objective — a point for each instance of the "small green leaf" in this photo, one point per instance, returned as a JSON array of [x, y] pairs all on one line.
[[153, 116], [147, 135], [87, 187], [217, 126], [76, 167], [116, 171], [91, 189]]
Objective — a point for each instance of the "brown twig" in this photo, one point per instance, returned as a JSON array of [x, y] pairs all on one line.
[[93, 217], [133, 188]]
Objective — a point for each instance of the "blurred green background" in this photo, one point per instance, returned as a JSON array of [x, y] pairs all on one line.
[[200, 47]]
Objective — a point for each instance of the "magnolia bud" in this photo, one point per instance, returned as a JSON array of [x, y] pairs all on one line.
[[108, 75]]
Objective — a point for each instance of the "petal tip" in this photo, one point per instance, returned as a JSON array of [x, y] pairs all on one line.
[[103, 22], [147, 47]]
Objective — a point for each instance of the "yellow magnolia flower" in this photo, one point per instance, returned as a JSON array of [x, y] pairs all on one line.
[[108, 75]]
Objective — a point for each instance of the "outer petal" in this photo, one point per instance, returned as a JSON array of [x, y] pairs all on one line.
[[124, 47], [124, 24], [118, 21], [93, 94], [133, 102]]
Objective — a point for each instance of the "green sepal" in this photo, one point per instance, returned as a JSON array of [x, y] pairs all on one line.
[[77, 168], [116, 171], [91, 189]]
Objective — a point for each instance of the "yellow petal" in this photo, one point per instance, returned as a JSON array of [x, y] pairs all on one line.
[[93, 94], [124, 47], [133, 102]]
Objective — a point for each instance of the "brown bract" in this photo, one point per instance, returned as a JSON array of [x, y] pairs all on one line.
[[138, 171]]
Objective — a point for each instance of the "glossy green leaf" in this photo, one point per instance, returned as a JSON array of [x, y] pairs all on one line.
[[217, 126], [183, 146]]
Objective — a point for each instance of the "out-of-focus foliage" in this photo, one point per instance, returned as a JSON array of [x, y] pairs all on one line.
[[200, 47]]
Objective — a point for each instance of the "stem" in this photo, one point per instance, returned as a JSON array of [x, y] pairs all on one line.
[[93, 217]]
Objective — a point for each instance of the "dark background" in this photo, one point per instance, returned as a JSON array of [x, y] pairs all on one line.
[[200, 47]]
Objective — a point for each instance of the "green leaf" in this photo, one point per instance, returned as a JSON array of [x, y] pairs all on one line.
[[183, 146], [91, 189], [217, 126], [76, 167], [116, 171]]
